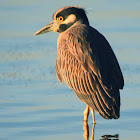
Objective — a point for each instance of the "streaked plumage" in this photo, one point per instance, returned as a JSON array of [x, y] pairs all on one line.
[[87, 64]]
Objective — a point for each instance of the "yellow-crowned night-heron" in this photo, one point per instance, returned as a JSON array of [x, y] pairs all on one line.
[[86, 62]]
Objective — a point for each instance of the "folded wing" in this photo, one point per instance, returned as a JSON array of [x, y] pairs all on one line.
[[88, 65]]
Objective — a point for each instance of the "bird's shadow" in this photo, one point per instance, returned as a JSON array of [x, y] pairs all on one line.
[[104, 137]]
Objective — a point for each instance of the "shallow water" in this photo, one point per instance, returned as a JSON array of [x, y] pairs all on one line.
[[33, 104]]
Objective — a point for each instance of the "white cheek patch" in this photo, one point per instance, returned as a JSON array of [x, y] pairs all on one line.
[[70, 19]]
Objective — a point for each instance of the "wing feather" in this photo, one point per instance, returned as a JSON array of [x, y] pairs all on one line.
[[70, 81], [76, 83], [88, 65], [82, 85]]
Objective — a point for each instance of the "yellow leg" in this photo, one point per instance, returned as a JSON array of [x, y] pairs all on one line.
[[86, 113], [93, 116]]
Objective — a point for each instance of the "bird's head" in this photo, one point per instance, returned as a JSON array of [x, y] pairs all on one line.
[[64, 18]]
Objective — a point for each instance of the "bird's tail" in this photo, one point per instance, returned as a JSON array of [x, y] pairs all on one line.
[[105, 102], [109, 100]]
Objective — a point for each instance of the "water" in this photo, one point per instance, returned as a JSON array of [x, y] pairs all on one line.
[[33, 104]]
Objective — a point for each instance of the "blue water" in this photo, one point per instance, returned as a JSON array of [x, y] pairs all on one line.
[[33, 104]]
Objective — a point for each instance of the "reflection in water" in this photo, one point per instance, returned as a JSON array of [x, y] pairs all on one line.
[[86, 132], [104, 137]]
